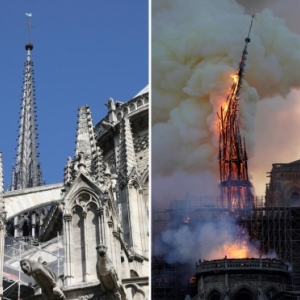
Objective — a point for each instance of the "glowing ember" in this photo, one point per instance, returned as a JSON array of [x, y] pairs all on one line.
[[186, 220], [235, 78]]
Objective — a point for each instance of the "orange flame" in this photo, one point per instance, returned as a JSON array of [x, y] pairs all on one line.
[[238, 250], [241, 247], [235, 78]]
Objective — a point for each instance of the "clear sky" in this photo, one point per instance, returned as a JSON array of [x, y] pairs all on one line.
[[84, 52]]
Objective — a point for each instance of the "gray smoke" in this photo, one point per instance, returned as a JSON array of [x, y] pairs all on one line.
[[196, 47], [207, 240]]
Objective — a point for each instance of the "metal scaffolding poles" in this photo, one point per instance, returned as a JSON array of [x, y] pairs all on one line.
[[15, 283], [277, 229]]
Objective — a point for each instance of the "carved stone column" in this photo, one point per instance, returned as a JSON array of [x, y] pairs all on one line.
[[68, 259], [16, 226], [86, 249], [117, 253], [2, 236], [100, 212], [33, 224]]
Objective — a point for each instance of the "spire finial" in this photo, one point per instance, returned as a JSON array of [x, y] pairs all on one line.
[[29, 46], [248, 37], [29, 25]]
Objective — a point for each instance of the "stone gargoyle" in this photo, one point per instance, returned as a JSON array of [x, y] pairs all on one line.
[[48, 281], [107, 275]]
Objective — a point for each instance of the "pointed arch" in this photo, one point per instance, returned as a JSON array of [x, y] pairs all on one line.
[[84, 197], [83, 222], [243, 293], [271, 291], [293, 196], [215, 294]]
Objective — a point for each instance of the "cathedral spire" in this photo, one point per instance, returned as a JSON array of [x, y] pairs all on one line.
[[88, 156], [26, 171], [127, 161], [234, 181]]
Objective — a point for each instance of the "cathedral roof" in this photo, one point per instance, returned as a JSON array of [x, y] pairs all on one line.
[[143, 91], [295, 162]]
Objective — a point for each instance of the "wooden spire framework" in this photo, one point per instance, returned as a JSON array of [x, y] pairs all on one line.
[[234, 181], [26, 171]]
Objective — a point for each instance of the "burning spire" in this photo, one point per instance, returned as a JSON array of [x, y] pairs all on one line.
[[234, 181], [26, 171]]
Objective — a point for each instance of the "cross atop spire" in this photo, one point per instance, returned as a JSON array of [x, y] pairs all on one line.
[[29, 25]]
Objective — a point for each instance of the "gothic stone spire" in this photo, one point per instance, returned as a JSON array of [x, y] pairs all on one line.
[[127, 161], [88, 156], [26, 172]]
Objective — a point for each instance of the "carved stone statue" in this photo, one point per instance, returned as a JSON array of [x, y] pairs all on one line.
[[107, 275], [111, 104], [107, 125], [48, 281]]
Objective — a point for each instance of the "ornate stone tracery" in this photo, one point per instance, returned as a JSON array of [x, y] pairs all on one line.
[[104, 198]]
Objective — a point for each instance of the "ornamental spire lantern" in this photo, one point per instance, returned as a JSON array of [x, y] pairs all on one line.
[[27, 171]]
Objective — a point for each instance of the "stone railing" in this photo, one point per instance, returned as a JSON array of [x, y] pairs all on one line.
[[286, 167], [124, 109], [241, 264]]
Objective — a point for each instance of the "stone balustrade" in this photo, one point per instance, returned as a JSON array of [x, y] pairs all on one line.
[[241, 264], [123, 109]]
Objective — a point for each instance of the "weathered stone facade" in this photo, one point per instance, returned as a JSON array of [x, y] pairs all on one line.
[[247, 279], [284, 186], [102, 201]]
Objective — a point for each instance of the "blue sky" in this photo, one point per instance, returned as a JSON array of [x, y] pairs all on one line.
[[84, 52]]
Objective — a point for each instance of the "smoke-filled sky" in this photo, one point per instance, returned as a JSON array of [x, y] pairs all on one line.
[[196, 47]]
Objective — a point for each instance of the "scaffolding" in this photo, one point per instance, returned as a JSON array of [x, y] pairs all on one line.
[[18, 285], [276, 228], [169, 281]]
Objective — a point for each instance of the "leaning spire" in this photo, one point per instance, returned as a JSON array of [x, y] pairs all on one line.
[[234, 180], [26, 171]]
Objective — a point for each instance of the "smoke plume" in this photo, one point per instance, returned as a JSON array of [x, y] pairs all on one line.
[[196, 47], [207, 240]]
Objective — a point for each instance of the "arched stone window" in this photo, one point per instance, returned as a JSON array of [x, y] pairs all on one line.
[[271, 292], [243, 294], [25, 229], [214, 295], [119, 116], [295, 199], [83, 234], [132, 107]]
